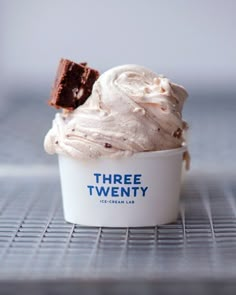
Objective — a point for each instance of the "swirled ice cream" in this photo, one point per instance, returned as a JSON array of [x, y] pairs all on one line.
[[131, 109]]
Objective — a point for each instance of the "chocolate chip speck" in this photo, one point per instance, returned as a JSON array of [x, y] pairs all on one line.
[[56, 142], [73, 129], [158, 129], [108, 145], [178, 133]]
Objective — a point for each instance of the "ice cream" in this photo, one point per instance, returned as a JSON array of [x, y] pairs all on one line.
[[131, 109], [120, 145]]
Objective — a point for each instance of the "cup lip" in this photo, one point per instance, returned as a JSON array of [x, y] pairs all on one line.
[[161, 153], [147, 154]]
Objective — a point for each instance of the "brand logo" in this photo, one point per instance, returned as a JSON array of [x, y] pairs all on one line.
[[117, 186]]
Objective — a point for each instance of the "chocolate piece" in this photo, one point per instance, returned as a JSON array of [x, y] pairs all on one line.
[[108, 145], [73, 85], [178, 133]]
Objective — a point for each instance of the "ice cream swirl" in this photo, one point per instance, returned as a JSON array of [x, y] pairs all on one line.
[[131, 109]]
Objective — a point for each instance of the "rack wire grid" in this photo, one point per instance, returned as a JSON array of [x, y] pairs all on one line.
[[42, 254], [36, 242]]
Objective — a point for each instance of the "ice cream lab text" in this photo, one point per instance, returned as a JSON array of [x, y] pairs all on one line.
[[117, 185]]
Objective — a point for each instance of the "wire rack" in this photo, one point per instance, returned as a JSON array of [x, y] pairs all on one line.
[[36, 242], [42, 254]]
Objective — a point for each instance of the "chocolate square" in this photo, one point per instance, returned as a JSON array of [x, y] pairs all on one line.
[[73, 84]]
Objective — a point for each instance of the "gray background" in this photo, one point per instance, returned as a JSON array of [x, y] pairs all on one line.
[[192, 42]]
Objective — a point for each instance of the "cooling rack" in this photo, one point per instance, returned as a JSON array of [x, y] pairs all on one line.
[[42, 254]]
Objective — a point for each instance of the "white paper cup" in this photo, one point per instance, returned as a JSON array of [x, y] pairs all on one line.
[[141, 190]]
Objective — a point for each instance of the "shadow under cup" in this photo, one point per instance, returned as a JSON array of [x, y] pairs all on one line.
[[140, 190]]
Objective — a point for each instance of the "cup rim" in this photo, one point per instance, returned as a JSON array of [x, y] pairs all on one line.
[[147, 154], [161, 153]]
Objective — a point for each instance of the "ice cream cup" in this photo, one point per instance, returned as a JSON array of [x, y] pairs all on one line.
[[135, 191]]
